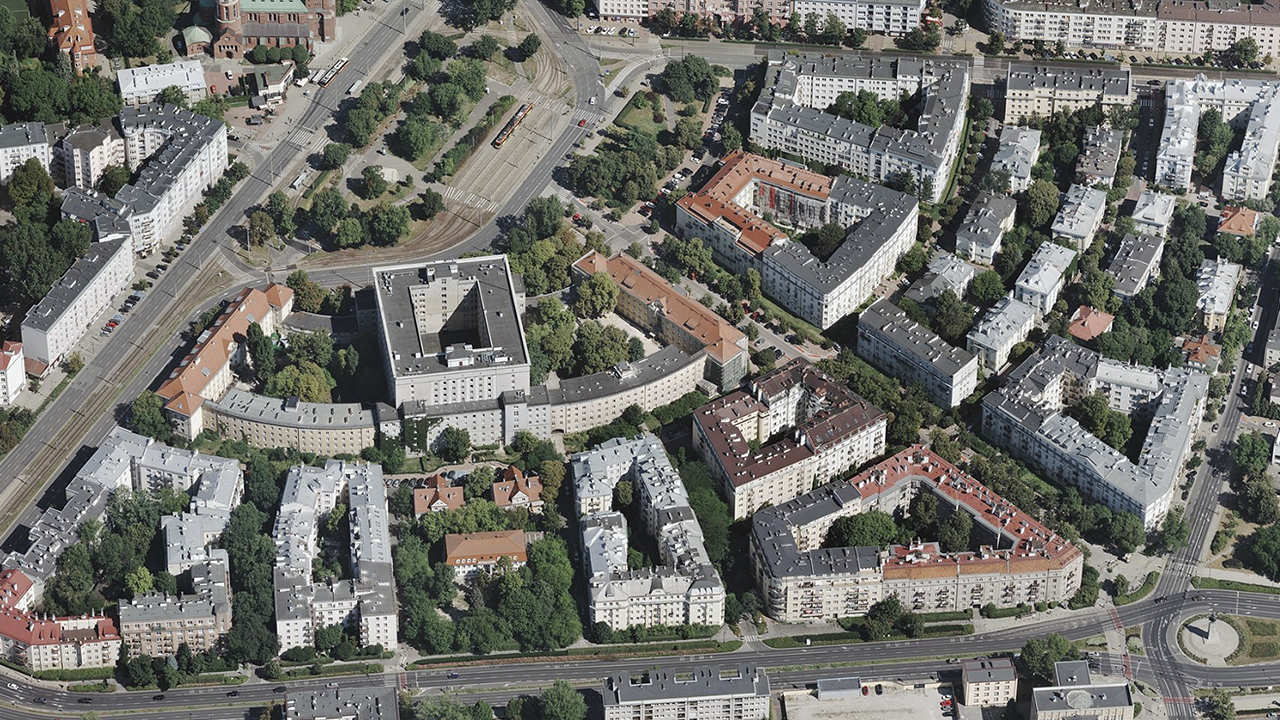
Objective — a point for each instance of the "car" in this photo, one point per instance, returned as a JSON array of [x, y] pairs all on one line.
[[84, 700], [453, 676], [866, 690], [42, 700], [234, 693], [157, 698], [153, 274], [582, 122], [230, 75], [577, 217], [280, 689], [1269, 424], [879, 689], [1153, 82], [13, 686], [593, 101], [953, 661], [1215, 427], [776, 355]]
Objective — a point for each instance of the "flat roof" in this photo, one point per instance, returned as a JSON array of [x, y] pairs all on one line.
[[666, 684], [80, 275]]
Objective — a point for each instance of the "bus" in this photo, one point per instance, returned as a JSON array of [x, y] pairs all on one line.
[[328, 75], [355, 87], [512, 124], [297, 182]]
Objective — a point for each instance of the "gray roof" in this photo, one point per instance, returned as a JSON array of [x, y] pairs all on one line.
[[946, 272], [1081, 212], [673, 684], [1003, 322], [1034, 78], [988, 670], [412, 351], [1076, 692], [1101, 152], [1154, 209], [862, 242], [287, 413], [1136, 261], [984, 223], [61, 297], [150, 80], [371, 703], [1019, 148], [23, 135], [622, 377], [188, 134], [891, 323], [108, 216], [1046, 268]]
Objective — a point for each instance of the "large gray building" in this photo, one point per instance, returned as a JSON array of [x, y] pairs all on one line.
[[897, 345], [704, 692]]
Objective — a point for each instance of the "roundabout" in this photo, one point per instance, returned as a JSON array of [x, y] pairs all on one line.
[[1209, 639]]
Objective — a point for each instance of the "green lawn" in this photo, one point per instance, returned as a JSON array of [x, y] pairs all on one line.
[[18, 8], [638, 118]]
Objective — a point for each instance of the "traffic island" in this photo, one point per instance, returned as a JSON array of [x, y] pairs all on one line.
[[1210, 639]]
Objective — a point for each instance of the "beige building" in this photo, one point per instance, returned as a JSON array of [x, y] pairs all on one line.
[[905, 349], [43, 643], [321, 428], [1074, 695], [822, 430], [698, 693], [156, 624], [1033, 90], [989, 682], [473, 553]]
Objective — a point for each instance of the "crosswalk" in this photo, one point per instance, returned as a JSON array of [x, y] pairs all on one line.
[[592, 118], [306, 138], [469, 199]]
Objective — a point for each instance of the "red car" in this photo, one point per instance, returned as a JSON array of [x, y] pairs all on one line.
[[577, 216], [866, 690], [582, 122]]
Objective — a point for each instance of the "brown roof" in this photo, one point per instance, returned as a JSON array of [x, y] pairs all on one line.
[[70, 28], [513, 482], [1200, 350], [754, 234], [8, 351], [718, 336], [215, 347], [485, 547], [437, 491], [1240, 221], [1087, 323], [843, 413]]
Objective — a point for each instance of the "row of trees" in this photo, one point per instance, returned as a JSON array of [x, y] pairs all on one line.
[[347, 226]]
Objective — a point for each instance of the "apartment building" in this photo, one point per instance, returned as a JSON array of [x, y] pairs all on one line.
[[705, 692], [650, 302], [1026, 417], [789, 115], [993, 338], [13, 371], [205, 374], [989, 218], [1075, 693], [1216, 281], [818, 429], [685, 588], [1100, 155], [800, 580], [157, 624], [881, 227], [891, 341], [1238, 220], [944, 272], [471, 554], [25, 141], [334, 703], [1136, 264], [55, 325], [1018, 152], [1044, 276], [363, 603], [989, 682], [321, 428], [86, 152], [143, 85], [1079, 216], [1152, 213], [1039, 91], [43, 643], [1251, 104], [516, 488], [71, 34], [891, 17]]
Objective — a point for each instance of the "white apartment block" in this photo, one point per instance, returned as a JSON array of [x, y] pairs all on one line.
[[1074, 693], [1216, 280], [980, 236], [1100, 155], [1018, 152], [880, 16], [789, 116], [810, 428], [800, 580], [89, 150], [22, 142], [1006, 324], [13, 371], [1153, 212], [1034, 90], [1026, 418], [1172, 26], [1079, 216], [54, 326], [686, 588], [728, 11], [698, 693], [892, 342], [1251, 104], [989, 682], [1136, 264], [365, 603], [1044, 276], [143, 85]]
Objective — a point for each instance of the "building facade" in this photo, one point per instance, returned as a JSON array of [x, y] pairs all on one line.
[[980, 236], [891, 341], [993, 338], [43, 643], [1044, 277], [1037, 91], [21, 142], [238, 26], [706, 693], [55, 325], [989, 682], [143, 85], [13, 371], [71, 34]]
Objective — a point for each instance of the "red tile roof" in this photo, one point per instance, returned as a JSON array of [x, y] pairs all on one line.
[[9, 351], [514, 481], [1238, 221], [437, 491], [1087, 323], [485, 547]]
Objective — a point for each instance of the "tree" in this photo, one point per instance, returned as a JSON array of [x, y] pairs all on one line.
[[70, 590], [484, 47], [430, 203], [1174, 530], [1243, 51], [953, 533], [1040, 654], [112, 179], [882, 616], [1040, 203], [30, 185], [139, 581], [478, 482], [335, 155], [305, 380], [987, 288], [1252, 453], [596, 296], [730, 138], [1119, 586], [146, 417], [386, 224], [436, 45], [689, 79], [1257, 500], [833, 31], [261, 228], [952, 316], [688, 133], [1262, 551], [1125, 532], [173, 95], [1218, 705], [529, 46], [74, 363], [327, 638], [995, 43], [562, 702], [307, 295], [873, 528], [315, 346], [454, 444], [373, 183], [282, 213]]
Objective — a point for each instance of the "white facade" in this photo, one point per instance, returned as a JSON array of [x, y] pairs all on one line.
[[1018, 152], [695, 693], [13, 373], [1152, 213], [1044, 276], [1080, 216], [881, 16], [87, 151], [1006, 324], [20, 143], [891, 341], [1251, 104], [1216, 281], [139, 86], [1032, 90], [54, 326]]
